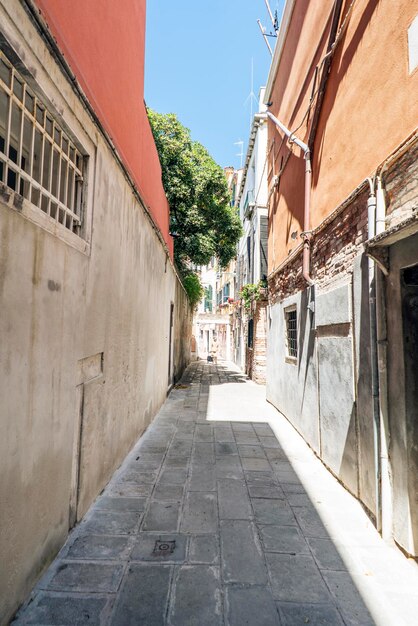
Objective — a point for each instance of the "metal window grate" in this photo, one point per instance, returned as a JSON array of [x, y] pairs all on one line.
[[37, 159], [291, 333]]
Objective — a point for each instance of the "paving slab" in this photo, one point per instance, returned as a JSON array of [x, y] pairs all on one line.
[[203, 478], [129, 490], [200, 513], [312, 614], [143, 596], [241, 555], [173, 476], [204, 453], [161, 516], [168, 492], [345, 591], [67, 610], [255, 464], [204, 549], [225, 448], [326, 554], [251, 451], [100, 547], [196, 596], [260, 490], [269, 511], [204, 433], [250, 606], [112, 523], [229, 467], [233, 499], [296, 578], [86, 577], [286, 539], [121, 504]]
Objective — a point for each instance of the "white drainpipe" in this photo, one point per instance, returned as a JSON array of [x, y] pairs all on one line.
[[376, 225], [307, 233]]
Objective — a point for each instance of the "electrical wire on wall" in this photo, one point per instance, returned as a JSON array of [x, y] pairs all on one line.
[[315, 91]]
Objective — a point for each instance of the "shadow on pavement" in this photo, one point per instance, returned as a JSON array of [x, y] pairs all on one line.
[[205, 523]]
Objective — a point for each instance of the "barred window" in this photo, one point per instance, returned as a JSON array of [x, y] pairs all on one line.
[[291, 332], [37, 158]]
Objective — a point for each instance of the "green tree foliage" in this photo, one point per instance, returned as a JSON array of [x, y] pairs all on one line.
[[200, 212], [193, 288]]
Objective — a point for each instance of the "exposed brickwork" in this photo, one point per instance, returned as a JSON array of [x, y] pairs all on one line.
[[401, 183], [259, 343], [332, 253], [255, 357], [336, 245]]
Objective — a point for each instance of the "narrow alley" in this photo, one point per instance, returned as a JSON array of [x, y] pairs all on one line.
[[221, 514]]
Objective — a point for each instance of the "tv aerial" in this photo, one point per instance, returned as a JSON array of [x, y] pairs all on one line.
[[275, 23]]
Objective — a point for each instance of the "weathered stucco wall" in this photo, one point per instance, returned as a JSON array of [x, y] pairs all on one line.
[[183, 326], [370, 62], [326, 393], [293, 387], [402, 391], [84, 340]]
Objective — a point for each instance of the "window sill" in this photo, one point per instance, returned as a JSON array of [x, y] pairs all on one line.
[[11, 200], [291, 359]]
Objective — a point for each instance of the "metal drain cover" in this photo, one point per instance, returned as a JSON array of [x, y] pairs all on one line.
[[163, 548]]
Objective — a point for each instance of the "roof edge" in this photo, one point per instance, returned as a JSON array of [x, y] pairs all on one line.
[[284, 26]]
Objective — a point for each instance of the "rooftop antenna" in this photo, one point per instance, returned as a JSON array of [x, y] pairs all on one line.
[[263, 32], [274, 19], [240, 154], [251, 97], [275, 23]]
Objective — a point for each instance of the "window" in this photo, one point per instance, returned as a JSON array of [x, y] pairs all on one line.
[[225, 293], [291, 332], [219, 297], [37, 158], [413, 45], [208, 299], [250, 335]]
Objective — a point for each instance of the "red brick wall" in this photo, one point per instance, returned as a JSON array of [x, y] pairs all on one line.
[[260, 343], [333, 251]]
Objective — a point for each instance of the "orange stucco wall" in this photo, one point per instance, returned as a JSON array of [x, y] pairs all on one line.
[[370, 108], [104, 43]]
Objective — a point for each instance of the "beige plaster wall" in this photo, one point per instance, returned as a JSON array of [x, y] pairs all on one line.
[[63, 301]]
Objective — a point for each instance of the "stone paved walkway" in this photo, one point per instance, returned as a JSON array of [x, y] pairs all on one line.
[[207, 522]]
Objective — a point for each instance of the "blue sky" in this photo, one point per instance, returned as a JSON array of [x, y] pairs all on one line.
[[198, 65]]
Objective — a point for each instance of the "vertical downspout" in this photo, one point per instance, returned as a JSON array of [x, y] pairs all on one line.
[[371, 219], [307, 233], [381, 335]]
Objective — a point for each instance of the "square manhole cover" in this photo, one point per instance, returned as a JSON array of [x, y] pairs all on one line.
[[163, 548]]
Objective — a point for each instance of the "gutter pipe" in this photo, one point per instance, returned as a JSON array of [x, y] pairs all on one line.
[[307, 233], [371, 231], [378, 340]]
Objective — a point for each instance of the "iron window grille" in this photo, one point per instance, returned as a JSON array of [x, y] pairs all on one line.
[[291, 332], [37, 158]]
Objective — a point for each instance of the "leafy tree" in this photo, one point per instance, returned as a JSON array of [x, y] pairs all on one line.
[[193, 288], [200, 212]]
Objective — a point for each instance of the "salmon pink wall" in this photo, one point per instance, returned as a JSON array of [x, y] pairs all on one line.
[[104, 43], [370, 107]]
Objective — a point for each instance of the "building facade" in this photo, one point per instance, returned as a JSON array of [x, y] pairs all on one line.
[[214, 313], [343, 253], [95, 324], [249, 321]]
